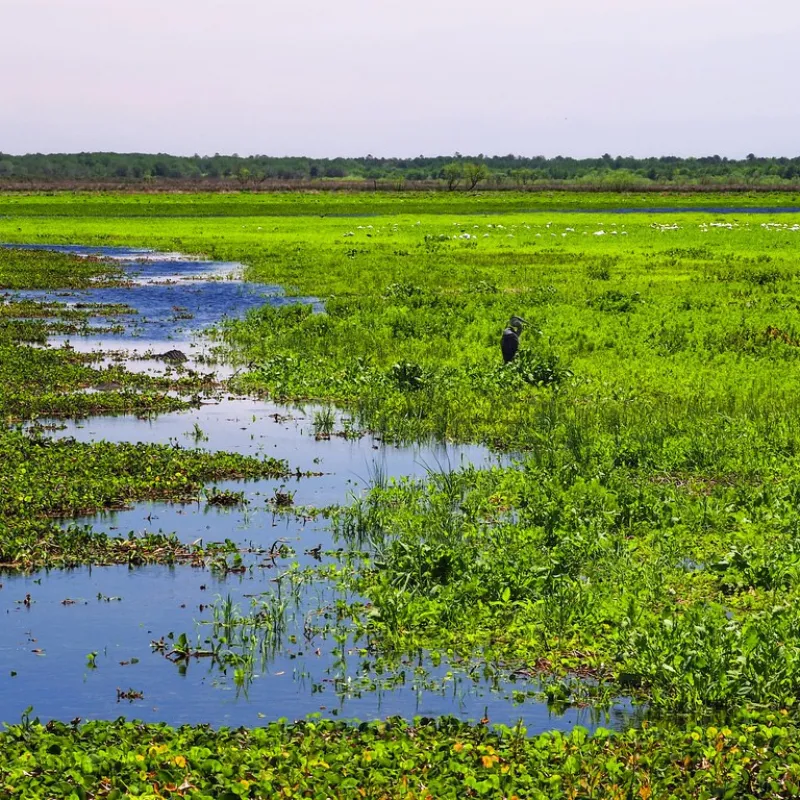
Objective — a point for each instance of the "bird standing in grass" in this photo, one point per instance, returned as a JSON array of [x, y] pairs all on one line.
[[509, 343]]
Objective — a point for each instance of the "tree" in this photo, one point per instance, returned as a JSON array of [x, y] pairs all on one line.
[[522, 176], [453, 173], [475, 173]]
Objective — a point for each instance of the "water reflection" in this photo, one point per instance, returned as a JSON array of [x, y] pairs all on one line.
[[116, 613]]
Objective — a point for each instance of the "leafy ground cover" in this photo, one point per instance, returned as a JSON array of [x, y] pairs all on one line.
[[678, 592], [755, 757]]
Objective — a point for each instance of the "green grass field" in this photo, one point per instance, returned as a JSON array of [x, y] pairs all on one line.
[[647, 540]]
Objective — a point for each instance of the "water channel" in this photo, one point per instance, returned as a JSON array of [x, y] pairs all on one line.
[[73, 640]]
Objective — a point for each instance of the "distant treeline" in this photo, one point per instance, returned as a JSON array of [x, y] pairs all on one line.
[[444, 172]]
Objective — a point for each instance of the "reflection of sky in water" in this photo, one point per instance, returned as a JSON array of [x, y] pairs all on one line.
[[157, 600], [251, 427], [169, 312]]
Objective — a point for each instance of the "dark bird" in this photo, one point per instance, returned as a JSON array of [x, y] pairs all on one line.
[[509, 343]]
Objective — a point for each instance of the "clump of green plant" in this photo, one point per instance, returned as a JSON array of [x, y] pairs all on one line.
[[324, 422], [225, 497], [42, 269], [407, 376], [540, 370], [616, 301]]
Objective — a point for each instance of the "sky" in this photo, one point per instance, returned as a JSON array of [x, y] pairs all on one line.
[[326, 78]]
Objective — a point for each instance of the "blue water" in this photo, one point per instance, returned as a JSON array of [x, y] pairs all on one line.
[[174, 296], [47, 643], [302, 677], [251, 426], [139, 254], [157, 601]]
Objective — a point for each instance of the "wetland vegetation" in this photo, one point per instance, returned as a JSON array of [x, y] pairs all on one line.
[[639, 541]]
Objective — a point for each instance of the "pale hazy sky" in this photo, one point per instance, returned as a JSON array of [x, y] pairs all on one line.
[[401, 77]]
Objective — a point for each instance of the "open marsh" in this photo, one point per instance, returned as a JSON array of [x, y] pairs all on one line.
[[330, 466], [609, 522]]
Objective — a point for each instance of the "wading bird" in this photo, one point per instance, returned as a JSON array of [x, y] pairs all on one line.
[[509, 343]]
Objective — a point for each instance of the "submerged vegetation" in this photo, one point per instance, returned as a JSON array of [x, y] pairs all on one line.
[[641, 540]]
